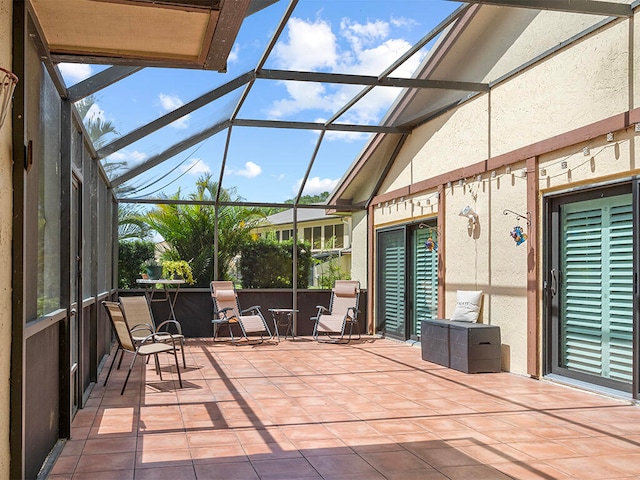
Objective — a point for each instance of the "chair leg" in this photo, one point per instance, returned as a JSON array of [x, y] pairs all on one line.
[[184, 362], [178, 366], [111, 367], [216, 328], [233, 340], [121, 355], [128, 373], [158, 370]]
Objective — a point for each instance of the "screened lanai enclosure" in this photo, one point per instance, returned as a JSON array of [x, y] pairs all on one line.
[[128, 102]]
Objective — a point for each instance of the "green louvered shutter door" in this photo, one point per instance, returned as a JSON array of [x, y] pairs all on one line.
[[424, 288], [391, 283], [620, 288], [596, 294]]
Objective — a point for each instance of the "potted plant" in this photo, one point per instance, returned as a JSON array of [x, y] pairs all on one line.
[[177, 269], [152, 268]]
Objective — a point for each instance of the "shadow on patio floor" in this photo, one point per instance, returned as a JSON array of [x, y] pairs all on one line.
[[372, 409]]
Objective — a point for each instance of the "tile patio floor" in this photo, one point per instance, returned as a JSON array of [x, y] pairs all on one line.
[[370, 410]]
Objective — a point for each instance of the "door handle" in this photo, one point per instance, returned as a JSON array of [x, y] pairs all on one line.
[[554, 282]]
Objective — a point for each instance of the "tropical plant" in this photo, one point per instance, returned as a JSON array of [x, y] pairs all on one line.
[[189, 229], [268, 263], [97, 127], [131, 222], [132, 254], [174, 269], [330, 271]]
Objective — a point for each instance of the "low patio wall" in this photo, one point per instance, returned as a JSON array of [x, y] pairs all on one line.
[[194, 308]]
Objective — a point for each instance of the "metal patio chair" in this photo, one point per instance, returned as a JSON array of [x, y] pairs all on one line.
[[145, 347], [139, 317], [227, 311], [342, 313]]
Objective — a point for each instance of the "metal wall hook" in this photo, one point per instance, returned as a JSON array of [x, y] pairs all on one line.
[[526, 217]]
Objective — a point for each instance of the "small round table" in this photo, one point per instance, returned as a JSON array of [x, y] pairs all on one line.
[[283, 317]]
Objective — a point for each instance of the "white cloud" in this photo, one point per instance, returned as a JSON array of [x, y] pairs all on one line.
[[196, 167], [123, 160], [359, 35], [316, 185], [314, 46], [250, 170], [309, 46], [234, 54], [169, 103], [127, 156], [75, 72], [404, 22]]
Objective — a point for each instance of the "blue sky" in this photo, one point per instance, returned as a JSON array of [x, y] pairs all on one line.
[[267, 165]]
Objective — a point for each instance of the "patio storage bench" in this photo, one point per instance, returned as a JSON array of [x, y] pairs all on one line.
[[464, 346]]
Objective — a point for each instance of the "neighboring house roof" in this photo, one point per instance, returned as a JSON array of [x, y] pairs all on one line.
[[303, 215]]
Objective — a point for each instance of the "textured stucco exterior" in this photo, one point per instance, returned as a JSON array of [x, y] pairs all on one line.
[[575, 87], [359, 235], [6, 200], [586, 82]]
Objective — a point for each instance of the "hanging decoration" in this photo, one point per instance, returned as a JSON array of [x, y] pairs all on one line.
[[431, 245], [518, 235]]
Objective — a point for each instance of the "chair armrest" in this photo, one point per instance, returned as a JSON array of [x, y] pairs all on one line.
[[354, 315], [170, 322], [255, 308], [142, 326], [223, 311], [153, 337]]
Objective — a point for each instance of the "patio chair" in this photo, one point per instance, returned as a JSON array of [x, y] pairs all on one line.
[[139, 317], [145, 347], [227, 311], [341, 314]]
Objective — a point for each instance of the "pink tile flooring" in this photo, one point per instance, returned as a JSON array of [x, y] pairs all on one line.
[[368, 410]]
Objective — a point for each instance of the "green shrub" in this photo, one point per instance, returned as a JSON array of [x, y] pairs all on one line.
[[268, 264], [132, 254], [172, 269]]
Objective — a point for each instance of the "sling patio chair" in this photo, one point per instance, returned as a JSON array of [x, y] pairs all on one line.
[[145, 347], [227, 311], [139, 316], [341, 314]]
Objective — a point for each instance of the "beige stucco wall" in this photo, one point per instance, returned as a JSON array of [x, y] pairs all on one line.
[[543, 32], [359, 236], [486, 258], [6, 200], [451, 141], [575, 87]]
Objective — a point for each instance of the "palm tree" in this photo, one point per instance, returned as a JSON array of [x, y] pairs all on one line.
[[132, 223], [190, 229], [97, 127]]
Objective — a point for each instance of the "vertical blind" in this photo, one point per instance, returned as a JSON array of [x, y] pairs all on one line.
[[405, 263], [391, 282], [425, 278], [596, 323]]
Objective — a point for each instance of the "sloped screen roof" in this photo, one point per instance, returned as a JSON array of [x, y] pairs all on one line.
[[270, 98]]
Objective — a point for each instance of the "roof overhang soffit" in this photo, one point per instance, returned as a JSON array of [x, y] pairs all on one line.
[[593, 7], [134, 32]]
